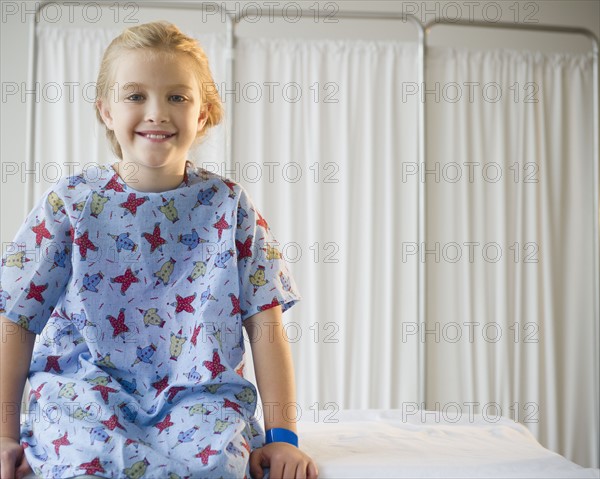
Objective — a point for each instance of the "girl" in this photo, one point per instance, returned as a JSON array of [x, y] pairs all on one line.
[[138, 277]]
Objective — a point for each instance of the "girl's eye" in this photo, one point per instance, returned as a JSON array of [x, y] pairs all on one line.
[[177, 98], [134, 97]]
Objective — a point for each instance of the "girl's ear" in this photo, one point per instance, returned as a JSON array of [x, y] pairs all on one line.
[[203, 118], [105, 114]]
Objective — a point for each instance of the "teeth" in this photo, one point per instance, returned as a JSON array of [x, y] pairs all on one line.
[[156, 137]]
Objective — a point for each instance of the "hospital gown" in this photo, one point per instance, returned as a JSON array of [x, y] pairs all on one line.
[[138, 299]]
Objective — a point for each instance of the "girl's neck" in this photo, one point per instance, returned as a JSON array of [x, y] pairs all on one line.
[[150, 180]]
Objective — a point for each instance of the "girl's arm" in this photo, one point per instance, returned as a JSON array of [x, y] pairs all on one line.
[[273, 367], [15, 358], [275, 377]]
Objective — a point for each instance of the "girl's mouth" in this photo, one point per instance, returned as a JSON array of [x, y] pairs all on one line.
[[155, 137]]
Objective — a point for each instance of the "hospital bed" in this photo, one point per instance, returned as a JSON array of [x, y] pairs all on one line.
[[415, 443], [411, 444]]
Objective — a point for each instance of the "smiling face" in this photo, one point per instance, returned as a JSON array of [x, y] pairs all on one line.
[[155, 109]]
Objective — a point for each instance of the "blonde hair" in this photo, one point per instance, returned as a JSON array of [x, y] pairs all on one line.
[[161, 37]]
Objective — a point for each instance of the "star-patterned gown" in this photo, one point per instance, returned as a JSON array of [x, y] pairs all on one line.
[[138, 300]]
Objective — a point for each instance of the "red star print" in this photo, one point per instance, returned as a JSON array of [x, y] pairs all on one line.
[[160, 385], [118, 323], [114, 184], [235, 406], [84, 244], [92, 467], [270, 305], [221, 225], [41, 232], [36, 392], [261, 221], [173, 392], [214, 366], [133, 203], [112, 423], [164, 424], [104, 391], [36, 291], [236, 305], [155, 239], [126, 280], [230, 185], [52, 363], [197, 329], [185, 304], [205, 454], [244, 250], [61, 441]]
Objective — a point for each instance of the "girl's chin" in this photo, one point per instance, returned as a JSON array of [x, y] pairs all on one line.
[[153, 162]]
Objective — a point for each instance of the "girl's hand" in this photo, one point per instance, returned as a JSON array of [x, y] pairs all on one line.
[[12, 459], [284, 462]]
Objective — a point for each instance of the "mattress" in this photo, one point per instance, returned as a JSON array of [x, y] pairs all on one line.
[[397, 444]]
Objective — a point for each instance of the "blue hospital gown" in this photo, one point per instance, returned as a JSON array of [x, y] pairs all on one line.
[[138, 299]]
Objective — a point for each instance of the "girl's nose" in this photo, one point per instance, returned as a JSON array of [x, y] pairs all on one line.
[[157, 112]]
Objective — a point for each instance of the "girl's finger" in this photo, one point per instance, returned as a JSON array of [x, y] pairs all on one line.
[[23, 469], [301, 470], [276, 469], [256, 469]]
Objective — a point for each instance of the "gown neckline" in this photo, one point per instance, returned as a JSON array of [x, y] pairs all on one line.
[[127, 187]]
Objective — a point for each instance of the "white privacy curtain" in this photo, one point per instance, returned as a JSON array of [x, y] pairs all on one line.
[[523, 301], [320, 133], [67, 136]]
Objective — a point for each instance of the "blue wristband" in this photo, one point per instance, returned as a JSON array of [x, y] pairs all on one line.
[[279, 434]]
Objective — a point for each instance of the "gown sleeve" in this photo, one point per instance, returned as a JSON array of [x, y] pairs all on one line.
[[36, 266], [264, 279]]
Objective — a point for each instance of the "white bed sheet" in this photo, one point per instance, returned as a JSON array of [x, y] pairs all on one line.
[[397, 444]]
